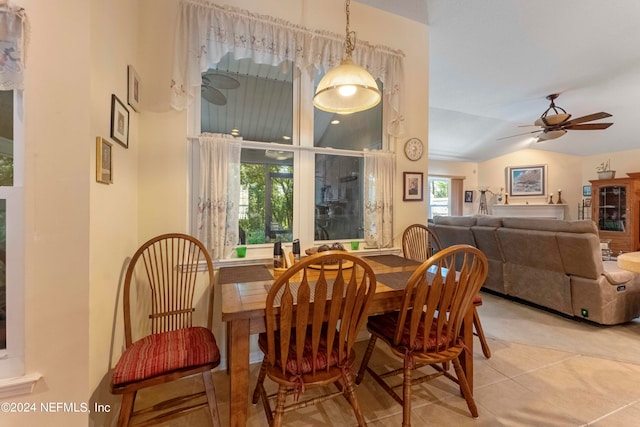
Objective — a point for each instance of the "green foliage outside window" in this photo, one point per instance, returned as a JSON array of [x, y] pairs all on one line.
[[6, 171], [269, 216]]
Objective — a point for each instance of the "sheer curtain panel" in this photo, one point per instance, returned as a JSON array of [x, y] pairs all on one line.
[[14, 29], [219, 194], [378, 199]]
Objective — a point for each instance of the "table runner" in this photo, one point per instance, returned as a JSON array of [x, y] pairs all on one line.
[[393, 260], [248, 273], [396, 280]]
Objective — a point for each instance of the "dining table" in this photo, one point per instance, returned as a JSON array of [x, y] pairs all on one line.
[[244, 291]]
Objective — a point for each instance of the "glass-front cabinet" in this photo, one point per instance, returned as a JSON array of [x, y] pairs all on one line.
[[615, 207]]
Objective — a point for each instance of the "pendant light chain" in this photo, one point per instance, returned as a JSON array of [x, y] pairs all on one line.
[[351, 35]]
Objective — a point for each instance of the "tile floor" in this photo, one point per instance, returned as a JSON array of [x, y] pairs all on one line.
[[546, 370]]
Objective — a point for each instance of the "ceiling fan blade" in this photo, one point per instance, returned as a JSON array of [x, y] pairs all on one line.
[[519, 134], [594, 116], [220, 81], [588, 126], [213, 95]]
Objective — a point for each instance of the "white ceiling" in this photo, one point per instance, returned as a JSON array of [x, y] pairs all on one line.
[[493, 62]]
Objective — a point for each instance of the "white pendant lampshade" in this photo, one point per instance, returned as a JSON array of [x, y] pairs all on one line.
[[552, 120], [347, 88]]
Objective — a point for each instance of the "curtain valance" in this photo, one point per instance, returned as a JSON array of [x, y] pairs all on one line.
[[14, 29], [205, 32]]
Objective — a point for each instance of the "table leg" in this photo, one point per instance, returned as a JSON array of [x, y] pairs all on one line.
[[238, 362], [466, 357]]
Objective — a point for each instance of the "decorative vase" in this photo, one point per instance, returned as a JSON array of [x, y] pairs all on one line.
[[551, 199], [606, 175], [559, 202]]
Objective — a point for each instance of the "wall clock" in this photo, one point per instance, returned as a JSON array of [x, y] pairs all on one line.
[[413, 149]]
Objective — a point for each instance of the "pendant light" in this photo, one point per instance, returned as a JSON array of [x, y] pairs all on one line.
[[347, 88]]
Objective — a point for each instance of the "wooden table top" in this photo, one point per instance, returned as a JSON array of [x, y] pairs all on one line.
[[242, 300]]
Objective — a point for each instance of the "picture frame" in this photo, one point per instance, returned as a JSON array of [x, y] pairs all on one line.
[[133, 88], [104, 161], [528, 181], [468, 196], [586, 190], [119, 122], [412, 186], [587, 202]]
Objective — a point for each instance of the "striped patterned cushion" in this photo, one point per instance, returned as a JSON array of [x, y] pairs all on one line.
[[158, 354], [384, 325], [307, 358]]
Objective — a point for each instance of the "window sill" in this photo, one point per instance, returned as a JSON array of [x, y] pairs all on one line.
[[18, 385]]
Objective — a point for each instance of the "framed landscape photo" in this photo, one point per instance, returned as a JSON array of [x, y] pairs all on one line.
[[119, 122], [133, 88], [412, 186], [528, 181], [104, 161], [586, 190]]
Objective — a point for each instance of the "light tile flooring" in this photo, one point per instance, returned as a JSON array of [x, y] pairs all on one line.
[[546, 370]]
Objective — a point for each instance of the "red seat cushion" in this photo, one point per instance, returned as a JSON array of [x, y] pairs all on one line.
[[158, 354], [307, 357], [384, 325]]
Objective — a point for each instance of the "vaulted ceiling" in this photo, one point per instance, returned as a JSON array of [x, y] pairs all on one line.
[[493, 62]]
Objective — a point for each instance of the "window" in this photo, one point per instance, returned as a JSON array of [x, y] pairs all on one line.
[[11, 245], [281, 198], [439, 197]]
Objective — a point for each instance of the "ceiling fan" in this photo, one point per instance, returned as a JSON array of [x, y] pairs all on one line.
[[557, 124], [212, 82]]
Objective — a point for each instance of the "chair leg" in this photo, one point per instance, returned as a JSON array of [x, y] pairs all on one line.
[[280, 401], [365, 358], [464, 387], [261, 375], [406, 394], [211, 397], [480, 332], [126, 409], [350, 394]]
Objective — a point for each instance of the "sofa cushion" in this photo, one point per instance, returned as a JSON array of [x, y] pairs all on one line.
[[460, 221], [577, 226]]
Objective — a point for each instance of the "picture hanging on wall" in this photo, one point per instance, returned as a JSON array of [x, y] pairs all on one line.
[[412, 186], [468, 196], [528, 181], [119, 122], [134, 86], [104, 161]]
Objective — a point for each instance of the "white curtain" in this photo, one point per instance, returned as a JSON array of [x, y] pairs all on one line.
[[378, 199], [206, 32], [14, 30], [219, 194]]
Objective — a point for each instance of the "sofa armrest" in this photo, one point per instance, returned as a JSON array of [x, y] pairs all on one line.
[[615, 275]]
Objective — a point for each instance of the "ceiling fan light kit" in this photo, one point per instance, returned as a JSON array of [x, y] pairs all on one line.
[[347, 88], [557, 124]]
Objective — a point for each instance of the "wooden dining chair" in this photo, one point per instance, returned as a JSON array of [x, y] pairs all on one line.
[[176, 273], [314, 311], [427, 328], [418, 244]]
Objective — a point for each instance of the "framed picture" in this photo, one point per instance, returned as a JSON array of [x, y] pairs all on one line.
[[133, 88], [412, 186], [586, 190], [468, 196], [587, 202], [119, 122], [104, 161], [528, 181]]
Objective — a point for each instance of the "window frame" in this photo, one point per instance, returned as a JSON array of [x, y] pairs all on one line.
[[302, 146], [431, 178], [12, 358]]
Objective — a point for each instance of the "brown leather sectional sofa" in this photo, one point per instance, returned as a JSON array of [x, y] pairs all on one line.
[[552, 263]]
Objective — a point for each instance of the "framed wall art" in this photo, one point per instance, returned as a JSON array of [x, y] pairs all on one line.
[[412, 186], [586, 190], [133, 88], [468, 196], [528, 181], [119, 122], [104, 161]]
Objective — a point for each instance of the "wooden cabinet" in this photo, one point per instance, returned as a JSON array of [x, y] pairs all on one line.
[[615, 207]]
